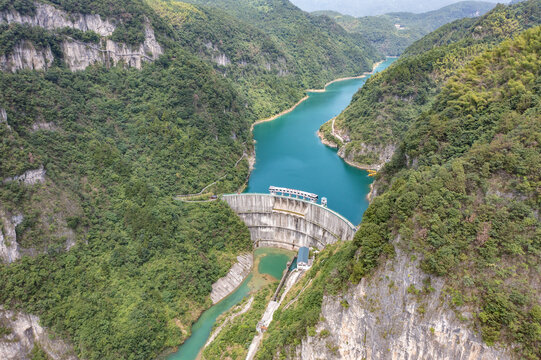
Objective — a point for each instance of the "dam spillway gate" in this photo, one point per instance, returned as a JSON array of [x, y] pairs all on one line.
[[289, 223]]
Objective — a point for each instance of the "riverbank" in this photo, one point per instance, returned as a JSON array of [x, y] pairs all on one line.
[[274, 117], [366, 73], [266, 264]]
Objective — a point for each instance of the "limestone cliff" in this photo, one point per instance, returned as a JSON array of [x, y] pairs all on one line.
[[50, 18], [9, 248], [26, 56], [76, 54], [388, 316], [25, 332]]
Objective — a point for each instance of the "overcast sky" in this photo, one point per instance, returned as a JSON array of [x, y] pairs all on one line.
[[375, 7]]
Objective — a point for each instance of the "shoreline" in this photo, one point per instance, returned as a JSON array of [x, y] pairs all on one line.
[[274, 117], [365, 74]]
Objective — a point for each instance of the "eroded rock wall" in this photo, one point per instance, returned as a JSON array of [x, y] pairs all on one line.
[[76, 54], [25, 333], [26, 56], [380, 319]]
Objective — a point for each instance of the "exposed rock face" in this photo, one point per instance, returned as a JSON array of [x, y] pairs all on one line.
[[383, 153], [9, 248], [25, 333], [26, 56], [30, 177], [49, 17], [4, 116], [45, 126], [221, 60], [235, 276], [382, 320], [77, 55]]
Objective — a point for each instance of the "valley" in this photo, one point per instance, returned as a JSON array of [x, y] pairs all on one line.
[[135, 215]]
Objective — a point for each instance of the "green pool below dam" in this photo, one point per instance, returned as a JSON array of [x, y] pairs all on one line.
[[289, 154]]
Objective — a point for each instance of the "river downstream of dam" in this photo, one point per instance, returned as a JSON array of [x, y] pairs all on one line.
[[289, 154]]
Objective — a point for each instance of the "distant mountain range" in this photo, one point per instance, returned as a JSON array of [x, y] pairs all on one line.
[[392, 33], [366, 7]]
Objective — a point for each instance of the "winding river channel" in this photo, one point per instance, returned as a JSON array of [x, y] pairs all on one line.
[[289, 154]]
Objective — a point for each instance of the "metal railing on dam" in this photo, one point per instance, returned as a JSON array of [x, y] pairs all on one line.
[[289, 223]]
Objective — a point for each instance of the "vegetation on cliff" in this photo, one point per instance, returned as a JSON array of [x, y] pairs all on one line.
[[318, 49], [463, 194], [117, 144], [384, 109]]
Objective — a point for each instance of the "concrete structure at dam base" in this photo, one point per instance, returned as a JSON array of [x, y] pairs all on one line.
[[289, 223]]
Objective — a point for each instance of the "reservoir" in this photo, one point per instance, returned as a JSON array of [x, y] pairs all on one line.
[[289, 154]]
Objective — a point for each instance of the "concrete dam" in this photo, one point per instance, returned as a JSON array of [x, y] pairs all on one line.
[[288, 222]]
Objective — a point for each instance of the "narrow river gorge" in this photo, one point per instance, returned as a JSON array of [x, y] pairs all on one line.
[[290, 154]]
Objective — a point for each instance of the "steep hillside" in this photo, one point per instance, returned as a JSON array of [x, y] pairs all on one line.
[[447, 258], [370, 129], [93, 248], [392, 33], [262, 70], [37, 35], [318, 49]]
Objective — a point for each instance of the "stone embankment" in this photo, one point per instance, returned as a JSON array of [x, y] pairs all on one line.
[[236, 275], [289, 223]]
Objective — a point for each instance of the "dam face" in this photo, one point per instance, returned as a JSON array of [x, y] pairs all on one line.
[[289, 223]]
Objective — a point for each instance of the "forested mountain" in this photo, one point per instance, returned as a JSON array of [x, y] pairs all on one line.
[[378, 117], [392, 33], [316, 49], [90, 161], [454, 229], [108, 109]]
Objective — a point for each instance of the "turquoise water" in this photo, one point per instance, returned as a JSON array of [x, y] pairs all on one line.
[[202, 328], [272, 262], [289, 153]]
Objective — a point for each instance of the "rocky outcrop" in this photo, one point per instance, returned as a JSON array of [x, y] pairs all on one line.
[[9, 248], [79, 55], [44, 126], [30, 177], [26, 56], [76, 54], [27, 333], [50, 18], [351, 153], [386, 317], [236, 275], [4, 117]]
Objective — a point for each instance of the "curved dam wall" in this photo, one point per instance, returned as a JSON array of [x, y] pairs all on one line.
[[289, 223]]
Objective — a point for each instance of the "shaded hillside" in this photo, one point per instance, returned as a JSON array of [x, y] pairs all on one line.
[[262, 70], [462, 199], [392, 33], [317, 49], [382, 111]]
